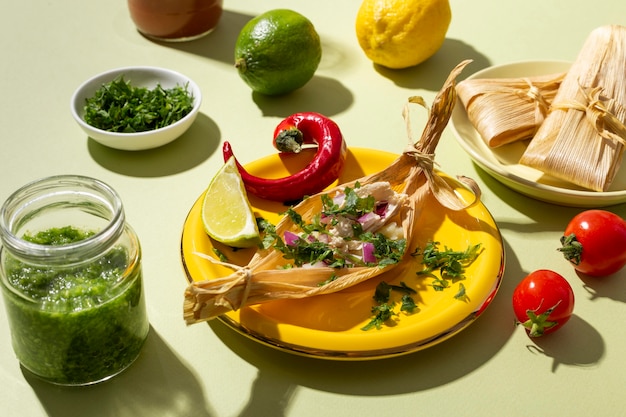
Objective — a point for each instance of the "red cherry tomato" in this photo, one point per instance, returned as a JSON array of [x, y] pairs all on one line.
[[594, 242], [543, 302]]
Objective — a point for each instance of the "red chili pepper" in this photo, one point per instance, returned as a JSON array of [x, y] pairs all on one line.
[[320, 172]]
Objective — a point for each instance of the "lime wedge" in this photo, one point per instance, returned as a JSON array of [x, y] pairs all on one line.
[[226, 212]]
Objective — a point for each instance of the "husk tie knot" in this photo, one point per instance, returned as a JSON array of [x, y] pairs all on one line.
[[442, 191], [597, 113], [242, 275]]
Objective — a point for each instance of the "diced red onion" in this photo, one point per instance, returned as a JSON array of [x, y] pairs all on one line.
[[367, 217], [381, 208], [291, 238], [368, 252]]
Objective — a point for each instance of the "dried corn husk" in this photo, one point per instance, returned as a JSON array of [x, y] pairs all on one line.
[[412, 173], [582, 139], [505, 110]]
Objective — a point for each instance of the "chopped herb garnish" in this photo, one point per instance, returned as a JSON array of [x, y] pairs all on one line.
[[445, 267], [408, 304], [385, 309], [353, 205], [338, 222], [221, 256], [449, 263], [382, 313], [387, 251], [119, 107], [382, 293], [461, 294], [267, 231], [403, 288], [328, 281]]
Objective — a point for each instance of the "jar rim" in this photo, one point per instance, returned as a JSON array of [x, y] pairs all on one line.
[[22, 203]]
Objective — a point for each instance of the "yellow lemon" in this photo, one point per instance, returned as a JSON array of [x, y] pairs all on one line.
[[226, 213], [402, 33]]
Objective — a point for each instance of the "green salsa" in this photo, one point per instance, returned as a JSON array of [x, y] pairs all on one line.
[[79, 324]]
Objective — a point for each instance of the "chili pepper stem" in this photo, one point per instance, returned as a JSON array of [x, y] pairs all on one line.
[[289, 140]]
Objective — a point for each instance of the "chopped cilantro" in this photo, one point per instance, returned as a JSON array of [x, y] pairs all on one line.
[[451, 264], [382, 313], [384, 309], [382, 292], [221, 256], [461, 294], [268, 232], [387, 251], [328, 281], [353, 205], [310, 248], [118, 106], [445, 267], [408, 304]]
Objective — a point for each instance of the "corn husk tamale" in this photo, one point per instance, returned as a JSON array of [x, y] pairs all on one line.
[[505, 110], [582, 139], [412, 174]]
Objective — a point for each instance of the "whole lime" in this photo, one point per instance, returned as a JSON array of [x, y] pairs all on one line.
[[277, 52]]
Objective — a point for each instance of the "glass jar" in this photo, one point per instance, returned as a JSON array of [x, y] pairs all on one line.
[[175, 20], [70, 273]]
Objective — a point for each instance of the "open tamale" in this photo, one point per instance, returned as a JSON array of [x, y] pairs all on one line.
[[411, 174], [582, 139], [505, 110]]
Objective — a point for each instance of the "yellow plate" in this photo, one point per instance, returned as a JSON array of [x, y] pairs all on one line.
[[329, 326]]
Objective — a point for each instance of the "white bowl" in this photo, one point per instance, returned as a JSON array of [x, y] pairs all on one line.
[[147, 77]]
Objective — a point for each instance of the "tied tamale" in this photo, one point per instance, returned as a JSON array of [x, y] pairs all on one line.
[[505, 110], [582, 138]]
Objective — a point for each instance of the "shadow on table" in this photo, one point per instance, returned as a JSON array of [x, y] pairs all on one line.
[[158, 383], [432, 73], [219, 45], [280, 373], [191, 149], [423, 370], [577, 344], [544, 217], [612, 287], [321, 94]]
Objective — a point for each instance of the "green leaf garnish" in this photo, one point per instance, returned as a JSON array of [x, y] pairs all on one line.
[[119, 107], [449, 263]]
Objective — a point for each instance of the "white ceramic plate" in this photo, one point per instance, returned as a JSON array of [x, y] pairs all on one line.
[[502, 162]]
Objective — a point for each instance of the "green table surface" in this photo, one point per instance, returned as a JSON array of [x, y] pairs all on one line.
[[490, 369]]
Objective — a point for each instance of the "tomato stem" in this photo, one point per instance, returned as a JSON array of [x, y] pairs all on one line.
[[536, 325], [571, 248]]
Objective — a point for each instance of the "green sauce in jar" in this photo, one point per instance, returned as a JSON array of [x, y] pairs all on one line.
[[76, 324]]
